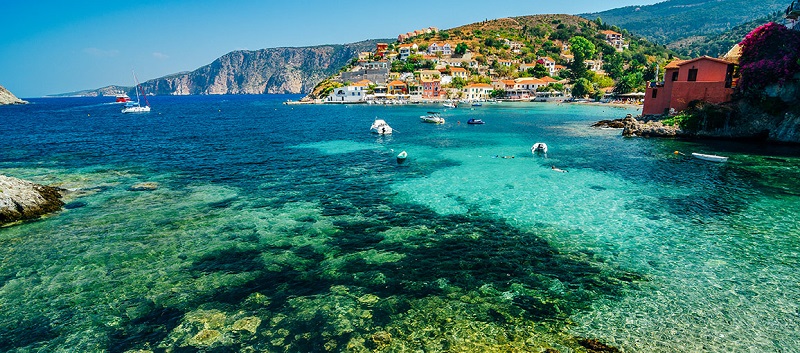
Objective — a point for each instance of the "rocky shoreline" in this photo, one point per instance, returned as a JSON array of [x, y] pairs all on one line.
[[647, 127], [23, 200], [6, 97]]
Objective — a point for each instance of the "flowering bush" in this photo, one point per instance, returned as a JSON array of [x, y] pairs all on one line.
[[770, 54]]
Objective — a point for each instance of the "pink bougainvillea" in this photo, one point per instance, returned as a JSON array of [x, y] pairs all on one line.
[[770, 54]]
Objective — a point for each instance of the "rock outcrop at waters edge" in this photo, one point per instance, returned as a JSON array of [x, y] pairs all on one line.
[[645, 128], [21, 200], [6, 97], [274, 71]]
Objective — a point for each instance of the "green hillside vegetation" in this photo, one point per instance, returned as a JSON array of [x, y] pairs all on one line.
[[544, 36], [718, 45], [675, 20]]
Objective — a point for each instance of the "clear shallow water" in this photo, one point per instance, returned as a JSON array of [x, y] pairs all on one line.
[[291, 228]]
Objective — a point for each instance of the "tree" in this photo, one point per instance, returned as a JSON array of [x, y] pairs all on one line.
[[497, 93], [540, 71], [582, 88], [461, 48], [613, 66], [458, 82], [629, 83], [582, 50]]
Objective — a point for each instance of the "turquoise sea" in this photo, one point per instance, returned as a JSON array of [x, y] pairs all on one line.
[[279, 228]]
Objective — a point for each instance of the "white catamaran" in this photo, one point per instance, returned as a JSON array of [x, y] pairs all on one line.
[[135, 107]]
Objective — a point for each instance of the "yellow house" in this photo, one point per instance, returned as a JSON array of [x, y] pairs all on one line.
[[459, 72], [398, 87], [427, 75]]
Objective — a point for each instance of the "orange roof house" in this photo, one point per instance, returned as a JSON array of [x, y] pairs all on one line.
[[702, 79], [398, 87]]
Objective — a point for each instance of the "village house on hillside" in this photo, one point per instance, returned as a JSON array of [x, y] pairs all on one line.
[[701, 79], [423, 65], [615, 40]]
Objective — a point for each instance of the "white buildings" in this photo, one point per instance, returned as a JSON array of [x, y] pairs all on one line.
[[440, 48], [348, 94], [477, 91]]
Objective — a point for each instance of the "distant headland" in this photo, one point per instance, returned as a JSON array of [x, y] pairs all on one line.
[[6, 97]]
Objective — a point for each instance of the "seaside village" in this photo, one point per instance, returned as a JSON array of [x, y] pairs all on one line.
[[458, 75], [371, 80]]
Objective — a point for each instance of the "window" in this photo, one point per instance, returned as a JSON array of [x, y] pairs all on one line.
[[675, 76], [692, 75], [655, 93]]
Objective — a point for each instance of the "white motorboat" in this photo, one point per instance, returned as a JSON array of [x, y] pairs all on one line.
[[449, 105], [710, 157], [539, 147], [432, 117], [379, 126]]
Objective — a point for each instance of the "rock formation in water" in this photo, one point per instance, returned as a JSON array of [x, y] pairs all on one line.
[[21, 200], [6, 97]]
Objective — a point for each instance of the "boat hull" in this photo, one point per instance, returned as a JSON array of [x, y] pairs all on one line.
[[710, 157]]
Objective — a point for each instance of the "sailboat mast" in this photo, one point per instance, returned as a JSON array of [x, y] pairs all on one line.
[[138, 88]]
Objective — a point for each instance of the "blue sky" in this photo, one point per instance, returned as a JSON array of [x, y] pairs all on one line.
[[51, 47]]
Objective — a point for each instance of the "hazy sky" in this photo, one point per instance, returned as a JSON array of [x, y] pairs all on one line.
[[51, 47]]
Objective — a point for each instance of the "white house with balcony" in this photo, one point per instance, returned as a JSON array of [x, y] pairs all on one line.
[[405, 50], [477, 91], [348, 94], [440, 48]]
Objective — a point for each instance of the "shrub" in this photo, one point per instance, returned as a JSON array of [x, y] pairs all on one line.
[[770, 54]]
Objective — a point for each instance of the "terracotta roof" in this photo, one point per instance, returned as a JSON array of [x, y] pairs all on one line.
[[397, 83], [459, 69], [674, 64], [704, 57], [528, 80], [479, 85], [610, 32], [548, 79]]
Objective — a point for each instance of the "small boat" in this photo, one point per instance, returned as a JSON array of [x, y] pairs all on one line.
[[122, 98], [539, 147], [477, 104], [401, 157], [379, 126], [135, 107], [449, 105], [432, 117], [710, 157], [475, 122]]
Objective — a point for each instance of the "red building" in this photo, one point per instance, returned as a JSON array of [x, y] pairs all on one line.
[[704, 78], [431, 88]]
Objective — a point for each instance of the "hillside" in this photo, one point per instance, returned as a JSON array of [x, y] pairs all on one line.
[[273, 70], [718, 45], [675, 20], [516, 57]]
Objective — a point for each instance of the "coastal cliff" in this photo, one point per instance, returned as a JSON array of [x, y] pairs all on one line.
[[21, 200], [6, 97], [265, 71]]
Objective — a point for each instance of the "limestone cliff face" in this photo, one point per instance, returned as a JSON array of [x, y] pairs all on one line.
[[274, 70], [6, 97]]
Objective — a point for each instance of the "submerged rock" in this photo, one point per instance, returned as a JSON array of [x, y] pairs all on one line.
[[21, 200], [146, 186]]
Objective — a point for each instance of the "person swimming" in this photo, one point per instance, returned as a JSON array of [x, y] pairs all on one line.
[[559, 169]]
